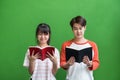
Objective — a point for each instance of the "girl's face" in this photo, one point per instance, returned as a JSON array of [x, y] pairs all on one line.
[[78, 31], [43, 38]]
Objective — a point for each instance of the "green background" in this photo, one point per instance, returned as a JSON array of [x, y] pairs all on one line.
[[19, 18]]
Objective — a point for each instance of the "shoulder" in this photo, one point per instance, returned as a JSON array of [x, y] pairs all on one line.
[[56, 50], [67, 43], [92, 43]]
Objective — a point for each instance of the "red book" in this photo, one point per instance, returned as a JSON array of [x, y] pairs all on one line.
[[42, 52]]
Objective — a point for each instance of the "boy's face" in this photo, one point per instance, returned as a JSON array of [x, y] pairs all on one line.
[[78, 31]]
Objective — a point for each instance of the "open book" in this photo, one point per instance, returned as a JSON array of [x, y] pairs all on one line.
[[78, 54], [42, 52]]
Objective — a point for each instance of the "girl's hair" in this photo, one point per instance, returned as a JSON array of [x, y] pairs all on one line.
[[79, 20], [43, 28]]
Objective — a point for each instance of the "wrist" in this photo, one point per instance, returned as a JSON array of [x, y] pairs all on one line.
[[32, 61], [67, 64], [54, 63], [89, 64]]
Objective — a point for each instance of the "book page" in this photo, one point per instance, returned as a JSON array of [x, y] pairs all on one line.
[[42, 52], [78, 54]]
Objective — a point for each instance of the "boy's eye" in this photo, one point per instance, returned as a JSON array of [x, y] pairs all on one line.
[[74, 28], [80, 28]]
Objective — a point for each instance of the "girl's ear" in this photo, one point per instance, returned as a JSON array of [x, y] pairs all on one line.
[[85, 27]]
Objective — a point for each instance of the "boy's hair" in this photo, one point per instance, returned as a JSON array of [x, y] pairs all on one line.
[[43, 28], [79, 20]]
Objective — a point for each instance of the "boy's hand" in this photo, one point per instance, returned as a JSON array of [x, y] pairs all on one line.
[[87, 61], [71, 61]]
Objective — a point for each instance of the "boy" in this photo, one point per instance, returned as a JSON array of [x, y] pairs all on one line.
[[84, 69]]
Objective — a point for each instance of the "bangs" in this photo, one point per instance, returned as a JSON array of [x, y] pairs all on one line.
[[43, 29]]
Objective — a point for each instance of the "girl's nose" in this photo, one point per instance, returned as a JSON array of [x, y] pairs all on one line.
[[42, 35]]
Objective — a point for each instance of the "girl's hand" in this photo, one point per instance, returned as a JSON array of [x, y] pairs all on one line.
[[33, 57], [54, 60], [52, 57], [87, 61]]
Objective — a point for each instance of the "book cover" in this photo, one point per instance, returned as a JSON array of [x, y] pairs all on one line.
[[42, 52], [78, 54]]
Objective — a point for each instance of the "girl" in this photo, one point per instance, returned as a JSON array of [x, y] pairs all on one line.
[[46, 69]]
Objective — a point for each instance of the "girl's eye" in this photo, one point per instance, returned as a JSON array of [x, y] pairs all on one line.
[[40, 34], [45, 33]]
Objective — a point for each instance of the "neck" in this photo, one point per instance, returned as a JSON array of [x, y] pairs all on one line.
[[43, 45], [81, 40]]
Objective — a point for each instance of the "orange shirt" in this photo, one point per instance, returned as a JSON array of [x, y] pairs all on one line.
[[95, 59]]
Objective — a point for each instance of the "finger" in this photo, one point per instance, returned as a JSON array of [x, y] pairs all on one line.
[[53, 52], [32, 52], [28, 56], [85, 57], [85, 61], [49, 54], [72, 58], [37, 55]]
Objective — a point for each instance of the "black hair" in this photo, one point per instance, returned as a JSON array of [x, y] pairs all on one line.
[[79, 20], [43, 28]]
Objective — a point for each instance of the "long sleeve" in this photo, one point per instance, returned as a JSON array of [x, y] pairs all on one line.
[[95, 60]]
